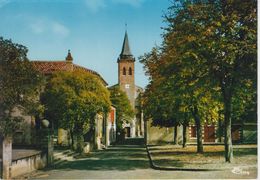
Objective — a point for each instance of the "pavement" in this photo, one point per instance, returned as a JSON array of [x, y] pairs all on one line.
[[129, 162]]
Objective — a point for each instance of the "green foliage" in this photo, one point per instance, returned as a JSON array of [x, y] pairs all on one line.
[[207, 62], [74, 98], [20, 86], [174, 90], [124, 110], [222, 36]]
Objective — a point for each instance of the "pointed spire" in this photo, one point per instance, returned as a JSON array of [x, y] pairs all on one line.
[[69, 57], [126, 52]]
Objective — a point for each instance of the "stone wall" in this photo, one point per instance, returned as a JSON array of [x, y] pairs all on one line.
[[157, 135], [24, 135], [28, 164]]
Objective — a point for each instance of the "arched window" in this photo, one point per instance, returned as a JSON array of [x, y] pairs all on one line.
[[130, 71], [124, 71]]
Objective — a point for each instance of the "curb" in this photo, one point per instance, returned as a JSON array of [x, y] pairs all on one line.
[[156, 167]]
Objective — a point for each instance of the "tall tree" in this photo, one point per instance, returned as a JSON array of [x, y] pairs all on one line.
[[73, 99], [177, 91], [222, 36], [124, 110], [20, 86]]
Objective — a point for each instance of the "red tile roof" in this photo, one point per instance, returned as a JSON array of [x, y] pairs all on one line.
[[49, 67]]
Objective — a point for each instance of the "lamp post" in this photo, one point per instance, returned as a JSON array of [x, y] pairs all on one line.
[[45, 124]]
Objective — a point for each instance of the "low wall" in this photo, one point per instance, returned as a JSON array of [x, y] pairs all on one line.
[[158, 135], [28, 164]]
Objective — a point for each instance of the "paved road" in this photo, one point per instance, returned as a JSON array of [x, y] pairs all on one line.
[[127, 162]]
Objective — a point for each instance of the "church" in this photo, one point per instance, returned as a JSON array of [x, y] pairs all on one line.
[[105, 128], [126, 82]]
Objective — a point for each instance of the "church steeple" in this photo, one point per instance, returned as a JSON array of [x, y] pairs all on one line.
[[126, 51], [126, 71]]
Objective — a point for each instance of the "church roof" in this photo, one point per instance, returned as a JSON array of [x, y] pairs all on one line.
[[126, 51], [49, 67]]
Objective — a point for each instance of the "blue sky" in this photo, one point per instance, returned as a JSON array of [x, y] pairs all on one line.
[[92, 29]]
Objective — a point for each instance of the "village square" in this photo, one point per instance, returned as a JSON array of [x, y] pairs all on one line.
[[112, 100]]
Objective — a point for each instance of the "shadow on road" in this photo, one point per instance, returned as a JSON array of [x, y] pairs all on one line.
[[115, 158]]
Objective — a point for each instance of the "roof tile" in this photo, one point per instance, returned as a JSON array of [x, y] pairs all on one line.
[[49, 67]]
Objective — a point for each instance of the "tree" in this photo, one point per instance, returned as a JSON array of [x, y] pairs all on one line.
[[124, 110], [222, 35], [159, 103], [20, 86], [73, 99], [176, 94]]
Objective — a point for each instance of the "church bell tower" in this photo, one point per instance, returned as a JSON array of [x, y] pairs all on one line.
[[126, 71]]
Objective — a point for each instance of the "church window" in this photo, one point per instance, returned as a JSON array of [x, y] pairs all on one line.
[[124, 71], [130, 71]]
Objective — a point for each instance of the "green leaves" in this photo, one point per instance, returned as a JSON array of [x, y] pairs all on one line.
[[208, 53], [20, 85], [124, 110], [73, 99]]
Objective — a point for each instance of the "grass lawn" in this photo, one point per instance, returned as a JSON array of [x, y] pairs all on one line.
[[245, 156]]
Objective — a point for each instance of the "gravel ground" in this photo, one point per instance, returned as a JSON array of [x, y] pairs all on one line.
[[245, 156]]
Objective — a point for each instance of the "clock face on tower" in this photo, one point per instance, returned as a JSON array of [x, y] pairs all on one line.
[[127, 86]]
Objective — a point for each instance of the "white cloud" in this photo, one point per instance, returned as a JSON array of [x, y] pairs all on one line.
[[4, 2], [38, 27], [134, 3], [41, 26], [95, 5], [60, 29]]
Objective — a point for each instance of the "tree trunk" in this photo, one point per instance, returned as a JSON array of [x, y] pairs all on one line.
[[184, 135], [226, 88], [146, 132], [198, 128], [199, 137], [72, 139], [92, 138], [80, 143], [175, 134], [219, 130], [79, 138], [228, 139]]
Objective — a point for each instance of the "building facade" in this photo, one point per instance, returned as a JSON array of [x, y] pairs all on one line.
[[126, 82], [211, 133], [103, 124]]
